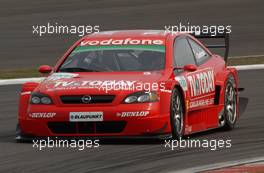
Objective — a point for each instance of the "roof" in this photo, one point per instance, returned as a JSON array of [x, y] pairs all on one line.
[[129, 33]]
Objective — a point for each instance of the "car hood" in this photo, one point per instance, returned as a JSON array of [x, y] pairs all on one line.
[[97, 82]]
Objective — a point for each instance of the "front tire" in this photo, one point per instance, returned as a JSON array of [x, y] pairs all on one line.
[[177, 114]]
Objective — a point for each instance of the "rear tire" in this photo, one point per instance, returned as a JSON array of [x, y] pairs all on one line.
[[177, 114], [230, 106]]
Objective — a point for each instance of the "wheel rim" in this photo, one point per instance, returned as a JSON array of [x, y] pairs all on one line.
[[231, 103], [177, 113]]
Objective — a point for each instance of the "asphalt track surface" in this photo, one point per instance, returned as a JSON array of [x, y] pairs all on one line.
[[19, 48], [135, 156]]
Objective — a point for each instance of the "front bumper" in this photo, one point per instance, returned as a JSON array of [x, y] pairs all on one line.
[[153, 124]]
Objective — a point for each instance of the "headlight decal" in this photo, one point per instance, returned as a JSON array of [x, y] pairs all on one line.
[[39, 98], [141, 97]]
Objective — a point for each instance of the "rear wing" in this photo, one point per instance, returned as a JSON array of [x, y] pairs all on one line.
[[225, 36]]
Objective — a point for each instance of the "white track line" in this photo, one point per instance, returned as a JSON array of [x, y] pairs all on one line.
[[24, 80], [19, 81], [249, 67], [220, 165]]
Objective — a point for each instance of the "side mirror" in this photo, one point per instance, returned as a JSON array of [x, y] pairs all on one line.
[[190, 67], [45, 69]]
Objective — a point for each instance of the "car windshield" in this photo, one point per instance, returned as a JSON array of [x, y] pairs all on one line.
[[115, 58]]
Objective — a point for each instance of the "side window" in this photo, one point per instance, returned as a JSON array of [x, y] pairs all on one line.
[[182, 53], [200, 54]]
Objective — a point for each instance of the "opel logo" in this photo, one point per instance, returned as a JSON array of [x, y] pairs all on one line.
[[86, 99]]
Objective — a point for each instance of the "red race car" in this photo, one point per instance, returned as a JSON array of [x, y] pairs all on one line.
[[135, 83]]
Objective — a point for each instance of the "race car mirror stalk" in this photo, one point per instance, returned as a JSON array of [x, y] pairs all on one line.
[[45, 69], [187, 67]]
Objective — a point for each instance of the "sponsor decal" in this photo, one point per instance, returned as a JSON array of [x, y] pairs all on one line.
[[165, 91], [201, 83], [127, 41], [200, 54], [57, 76], [107, 85], [204, 102], [133, 114], [94, 83], [86, 116], [182, 82], [42, 115]]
